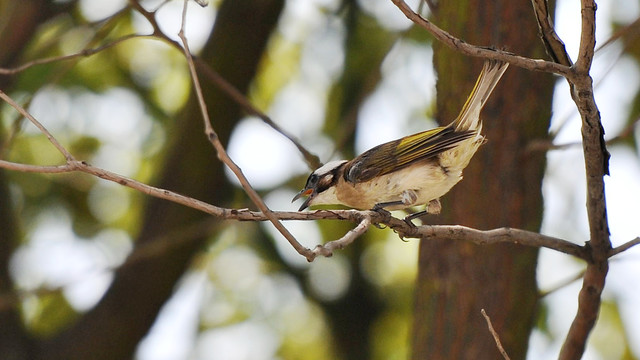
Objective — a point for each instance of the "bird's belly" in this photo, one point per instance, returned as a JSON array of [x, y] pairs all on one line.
[[427, 182]]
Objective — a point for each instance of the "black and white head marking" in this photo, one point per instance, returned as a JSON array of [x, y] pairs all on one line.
[[320, 180], [325, 176]]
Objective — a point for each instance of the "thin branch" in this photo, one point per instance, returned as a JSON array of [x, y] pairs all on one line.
[[552, 42], [478, 51], [545, 145], [624, 247], [363, 218], [326, 250], [630, 31], [83, 53], [312, 160], [495, 335], [562, 284], [222, 153], [587, 314], [35, 122], [41, 169], [587, 36], [487, 237]]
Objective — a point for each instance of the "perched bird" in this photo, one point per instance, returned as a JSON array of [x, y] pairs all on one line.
[[414, 170]]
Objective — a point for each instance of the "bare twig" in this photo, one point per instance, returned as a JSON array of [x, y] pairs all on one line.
[[478, 51], [562, 284], [587, 36], [222, 153], [35, 122], [326, 250], [552, 42], [495, 335], [624, 247], [83, 53], [487, 237], [545, 145], [311, 159], [425, 232], [219, 81]]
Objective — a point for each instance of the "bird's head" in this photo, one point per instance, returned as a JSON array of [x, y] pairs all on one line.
[[320, 187]]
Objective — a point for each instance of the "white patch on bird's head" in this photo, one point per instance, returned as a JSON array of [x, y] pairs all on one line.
[[325, 176], [329, 167], [320, 185]]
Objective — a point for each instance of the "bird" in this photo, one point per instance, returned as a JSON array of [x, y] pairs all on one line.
[[414, 170]]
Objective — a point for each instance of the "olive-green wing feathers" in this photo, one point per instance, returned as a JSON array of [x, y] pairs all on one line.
[[397, 154]]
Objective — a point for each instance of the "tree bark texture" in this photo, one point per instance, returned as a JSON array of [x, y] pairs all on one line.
[[501, 187]]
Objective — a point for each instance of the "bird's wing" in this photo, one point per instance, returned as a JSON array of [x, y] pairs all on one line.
[[397, 154]]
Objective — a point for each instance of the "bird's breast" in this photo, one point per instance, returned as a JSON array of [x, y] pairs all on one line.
[[428, 180]]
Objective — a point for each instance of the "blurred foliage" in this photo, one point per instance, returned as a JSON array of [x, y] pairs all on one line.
[[609, 337], [51, 312], [249, 278]]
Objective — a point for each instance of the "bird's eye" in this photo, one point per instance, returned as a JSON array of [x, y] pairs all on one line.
[[312, 180]]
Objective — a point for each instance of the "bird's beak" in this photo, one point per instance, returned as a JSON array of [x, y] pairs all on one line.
[[305, 192]]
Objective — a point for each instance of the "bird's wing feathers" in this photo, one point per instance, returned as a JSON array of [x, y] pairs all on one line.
[[395, 155]]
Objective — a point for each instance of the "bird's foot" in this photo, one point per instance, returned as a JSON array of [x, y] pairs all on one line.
[[433, 207]]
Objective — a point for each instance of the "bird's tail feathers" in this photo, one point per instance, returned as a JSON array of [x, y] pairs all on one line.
[[469, 118]]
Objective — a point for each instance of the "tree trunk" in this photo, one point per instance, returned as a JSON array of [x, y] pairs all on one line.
[[501, 187]]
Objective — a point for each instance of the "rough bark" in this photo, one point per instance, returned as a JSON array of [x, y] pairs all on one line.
[[502, 187]]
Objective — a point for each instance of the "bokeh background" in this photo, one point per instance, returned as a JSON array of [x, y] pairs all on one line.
[[247, 294]]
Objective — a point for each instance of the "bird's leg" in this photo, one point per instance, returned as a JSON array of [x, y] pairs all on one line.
[[433, 207], [382, 205], [379, 208], [407, 199]]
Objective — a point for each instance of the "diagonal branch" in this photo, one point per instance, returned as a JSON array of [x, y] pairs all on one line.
[[496, 338], [624, 247], [222, 153], [478, 51], [553, 44], [326, 250], [82, 53], [67, 155], [312, 160]]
